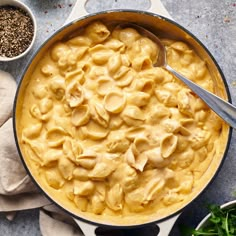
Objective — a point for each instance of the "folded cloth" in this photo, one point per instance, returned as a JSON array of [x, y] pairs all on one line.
[[17, 191]]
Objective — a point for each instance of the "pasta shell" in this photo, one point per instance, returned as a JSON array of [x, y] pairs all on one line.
[[171, 125], [157, 114], [168, 98], [94, 72], [45, 105], [101, 171], [180, 46], [133, 115], [142, 62], [83, 188], [168, 145], [153, 188], [115, 45], [114, 198], [186, 158], [54, 179], [155, 158], [184, 102], [125, 79], [35, 111], [114, 63], [127, 176], [59, 51], [64, 123], [81, 203], [80, 115], [73, 149], [40, 91], [135, 200], [100, 54], [101, 190], [49, 70], [138, 99], [36, 151], [99, 114], [77, 148], [141, 144], [183, 143], [134, 112], [33, 131], [51, 157], [66, 167], [68, 189], [200, 139], [156, 74], [130, 182], [56, 136], [125, 60], [201, 154], [201, 116], [75, 76], [71, 60], [74, 94], [94, 131], [80, 173], [122, 71], [97, 32], [128, 35], [136, 160], [80, 41], [187, 182], [98, 205], [117, 143], [104, 85], [171, 197], [145, 85], [114, 102], [87, 160], [133, 132]]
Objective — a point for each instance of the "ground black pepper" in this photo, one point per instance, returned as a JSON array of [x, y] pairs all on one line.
[[16, 31]]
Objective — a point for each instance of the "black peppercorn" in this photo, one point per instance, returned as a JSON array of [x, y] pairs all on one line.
[[16, 31]]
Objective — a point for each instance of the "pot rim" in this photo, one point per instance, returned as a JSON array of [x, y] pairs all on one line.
[[93, 222]]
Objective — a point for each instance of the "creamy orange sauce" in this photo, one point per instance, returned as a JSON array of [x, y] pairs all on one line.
[[112, 138]]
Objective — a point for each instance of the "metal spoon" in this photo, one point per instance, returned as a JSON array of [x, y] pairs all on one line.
[[222, 108]]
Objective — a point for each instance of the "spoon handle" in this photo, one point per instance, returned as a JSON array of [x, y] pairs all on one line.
[[222, 108]]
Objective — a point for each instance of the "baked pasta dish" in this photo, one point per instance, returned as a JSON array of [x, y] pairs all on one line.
[[109, 136]]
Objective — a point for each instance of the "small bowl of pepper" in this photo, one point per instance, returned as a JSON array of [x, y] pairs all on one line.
[[17, 30]]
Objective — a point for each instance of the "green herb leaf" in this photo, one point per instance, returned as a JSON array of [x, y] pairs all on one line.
[[222, 222]]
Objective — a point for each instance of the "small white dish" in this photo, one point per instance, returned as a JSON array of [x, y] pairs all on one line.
[[18, 4], [205, 221]]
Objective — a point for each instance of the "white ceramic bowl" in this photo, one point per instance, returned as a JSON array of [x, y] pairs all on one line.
[[205, 221], [22, 6]]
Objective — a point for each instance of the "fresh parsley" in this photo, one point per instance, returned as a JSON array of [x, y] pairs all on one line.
[[222, 222]]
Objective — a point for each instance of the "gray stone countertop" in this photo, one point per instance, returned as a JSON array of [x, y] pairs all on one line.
[[212, 21]]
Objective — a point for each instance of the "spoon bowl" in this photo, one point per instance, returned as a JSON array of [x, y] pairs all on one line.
[[221, 107]]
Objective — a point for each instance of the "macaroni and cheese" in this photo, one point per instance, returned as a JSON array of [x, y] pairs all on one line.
[[109, 136]]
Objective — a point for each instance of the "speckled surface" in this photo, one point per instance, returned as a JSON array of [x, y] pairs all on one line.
[[212, 21]]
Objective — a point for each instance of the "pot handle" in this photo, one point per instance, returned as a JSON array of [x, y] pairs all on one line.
[[87, 229], [156, 6], [166, 225], [79, 10]]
